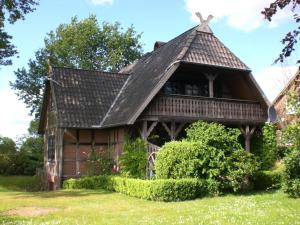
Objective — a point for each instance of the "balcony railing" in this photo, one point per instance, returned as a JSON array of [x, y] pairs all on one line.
[[191, 107]]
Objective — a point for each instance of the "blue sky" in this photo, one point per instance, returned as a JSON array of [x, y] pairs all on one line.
[[238, 24]]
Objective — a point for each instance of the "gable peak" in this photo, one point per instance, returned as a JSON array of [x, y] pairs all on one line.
[[204, 27]]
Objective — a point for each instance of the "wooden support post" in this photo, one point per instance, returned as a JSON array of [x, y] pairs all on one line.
[[247, 132], [211, 78], [145, 132], [178, 129], [173, 131], [61, 155], [77, 156]]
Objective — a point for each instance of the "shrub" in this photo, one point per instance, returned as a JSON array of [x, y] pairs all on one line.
[[269, 153], [215, 135], [157, 190], [265, 180], [99, 163], [241, 168], [94, 182], [291, 174], [134, 158], [184, 159]]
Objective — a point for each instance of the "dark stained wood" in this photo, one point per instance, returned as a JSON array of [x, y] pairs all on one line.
[[224, 110], [247, 131]]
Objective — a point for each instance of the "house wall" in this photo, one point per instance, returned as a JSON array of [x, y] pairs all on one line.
[[284, 115], [78, 144], [52, 167]]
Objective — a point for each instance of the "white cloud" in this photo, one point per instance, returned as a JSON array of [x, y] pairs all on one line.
[[243, 15], [101, 2], [14, 118], [273, 79]]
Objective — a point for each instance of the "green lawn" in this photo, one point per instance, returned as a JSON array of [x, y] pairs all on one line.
[[101, 207]]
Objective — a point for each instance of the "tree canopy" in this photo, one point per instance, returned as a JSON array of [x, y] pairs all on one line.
[[81, 44], [11, 11], [291, 38], [7, 145]]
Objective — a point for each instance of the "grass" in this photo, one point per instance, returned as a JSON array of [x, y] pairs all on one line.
[[101, 207]]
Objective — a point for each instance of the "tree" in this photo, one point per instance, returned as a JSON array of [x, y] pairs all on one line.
[[15, 9], [7, 145], [291, 38], [81, 44]]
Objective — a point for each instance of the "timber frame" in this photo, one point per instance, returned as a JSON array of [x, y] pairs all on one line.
[[189, 78]]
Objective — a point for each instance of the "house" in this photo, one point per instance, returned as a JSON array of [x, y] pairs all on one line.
[[191, 77], [285, 114]]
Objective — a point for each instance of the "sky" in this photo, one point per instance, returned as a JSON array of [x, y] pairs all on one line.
[[238, 24]]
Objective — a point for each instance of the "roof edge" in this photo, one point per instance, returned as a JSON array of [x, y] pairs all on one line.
[[285, 88], [166, 75]]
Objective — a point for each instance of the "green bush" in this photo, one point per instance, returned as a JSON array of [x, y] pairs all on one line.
[[291, 174], [270, 151], [156, 190], [215, 135], [210, 152], [241, 168], [95, 182], [186, 159], [134, 158], [265, 180], [99, 163]]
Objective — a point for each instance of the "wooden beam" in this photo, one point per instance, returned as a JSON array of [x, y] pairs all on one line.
[[144, 130], [167, 129], [152, 126], [211, 78], [247, 133], [77, 156], [178, 129]]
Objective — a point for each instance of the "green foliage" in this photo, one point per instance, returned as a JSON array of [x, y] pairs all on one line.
[[215, 135], [94, 182], [241, 168], [81, 44], [156, 190], [99, 163], [187, 159], [291, 136], [210, 152], [270, 151], [7, 145], [20, 183], [15, 9], [291, 174], [134, 158], [269, 179]]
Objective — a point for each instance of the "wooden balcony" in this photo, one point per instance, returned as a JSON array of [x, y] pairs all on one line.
[[191, 108]]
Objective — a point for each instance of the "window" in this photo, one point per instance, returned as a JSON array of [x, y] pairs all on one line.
[[51, 149]]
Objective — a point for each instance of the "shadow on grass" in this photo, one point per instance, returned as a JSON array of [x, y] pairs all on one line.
[[62, 193]]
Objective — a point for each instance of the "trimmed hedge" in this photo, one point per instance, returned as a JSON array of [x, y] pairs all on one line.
[[156, 190], [265, 180]]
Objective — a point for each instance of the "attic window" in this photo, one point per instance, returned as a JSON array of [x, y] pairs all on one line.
[[51, 148]]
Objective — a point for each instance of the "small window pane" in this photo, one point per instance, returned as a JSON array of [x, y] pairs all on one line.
[[51, 149]]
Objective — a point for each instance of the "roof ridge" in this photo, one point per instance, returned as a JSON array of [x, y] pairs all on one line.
[[114, 102], [289, 83], [189, 41]]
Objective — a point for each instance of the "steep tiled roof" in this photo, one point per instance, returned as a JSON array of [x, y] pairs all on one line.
[[87, 99], [148, 75], [83, 97], [206, 49]]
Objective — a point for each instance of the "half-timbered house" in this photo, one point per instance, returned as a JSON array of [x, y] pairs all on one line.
[[191, 77]]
